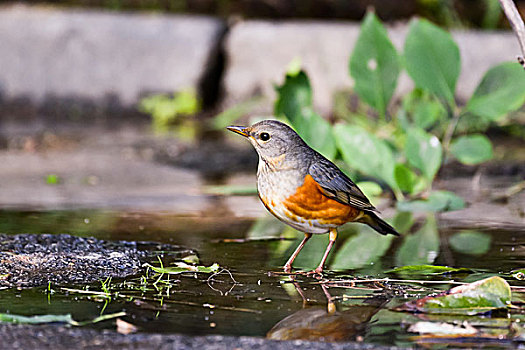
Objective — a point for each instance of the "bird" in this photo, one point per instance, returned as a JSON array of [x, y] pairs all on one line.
[[304, 189], [326, 323]]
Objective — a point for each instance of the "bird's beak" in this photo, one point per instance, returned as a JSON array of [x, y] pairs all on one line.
[[241, 130]]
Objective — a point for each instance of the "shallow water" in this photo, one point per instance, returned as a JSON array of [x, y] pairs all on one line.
[[251, 297]]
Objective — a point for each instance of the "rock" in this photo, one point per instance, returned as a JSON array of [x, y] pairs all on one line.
[[258, 53], [29, 260], [91, 55]]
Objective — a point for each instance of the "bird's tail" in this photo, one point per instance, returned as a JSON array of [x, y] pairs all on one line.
[[378, 224]]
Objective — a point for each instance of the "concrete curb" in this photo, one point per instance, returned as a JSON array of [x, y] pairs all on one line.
[[56, 54], [325, 48], [90, 54]]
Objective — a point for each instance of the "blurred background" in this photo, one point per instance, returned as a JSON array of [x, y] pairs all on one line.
[[112, 125], [167, 76]]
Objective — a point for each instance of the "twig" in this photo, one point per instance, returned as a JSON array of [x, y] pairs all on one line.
[[517, 25]]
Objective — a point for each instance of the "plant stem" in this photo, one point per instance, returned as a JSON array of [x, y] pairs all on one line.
[[517, 24], [447, 138]]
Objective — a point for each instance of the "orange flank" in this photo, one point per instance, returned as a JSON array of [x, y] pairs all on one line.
[[310, 203]]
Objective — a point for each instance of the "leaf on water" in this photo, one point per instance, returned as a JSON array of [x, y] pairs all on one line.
[[428, 270], [124, 327], [424, 152], [365, 152], [437, 201], [470, 242], [38, 319], [182, 267], [100, 319], [442, 329], [501, 91], [472, 149], [469, 299], [374, 64], [361, 250], [421, 247], [191, 259], [432, 59]]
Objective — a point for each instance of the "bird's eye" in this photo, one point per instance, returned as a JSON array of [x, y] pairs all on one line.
[[264, 136]]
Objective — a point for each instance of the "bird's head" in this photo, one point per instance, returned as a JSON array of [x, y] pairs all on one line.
[[270, 138]]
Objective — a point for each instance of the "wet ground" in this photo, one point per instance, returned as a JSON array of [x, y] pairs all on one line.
[[117, 189], [247, 295]]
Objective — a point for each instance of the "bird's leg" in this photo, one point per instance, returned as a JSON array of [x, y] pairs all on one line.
[[288, 265], [333, 236]]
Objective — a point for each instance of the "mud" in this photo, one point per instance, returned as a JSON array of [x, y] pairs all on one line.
[[29, 260], [57, 338]]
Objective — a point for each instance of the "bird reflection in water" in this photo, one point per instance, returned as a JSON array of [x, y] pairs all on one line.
[[316, 323]]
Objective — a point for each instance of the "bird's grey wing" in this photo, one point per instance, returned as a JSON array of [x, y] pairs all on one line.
[[337, 185]]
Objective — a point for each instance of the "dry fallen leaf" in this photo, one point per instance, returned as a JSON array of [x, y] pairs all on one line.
[[124, 327]]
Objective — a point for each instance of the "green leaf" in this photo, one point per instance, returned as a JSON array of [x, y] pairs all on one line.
[[406, 179], [294, 101], [432, 59], [361, 250], [428, 270], [403, 221], [182, 267], [294, 67], [366, 153], [374, 64], [501, 91], [370, 188], [293, 96], [427, 113], [316, 132], [38, 319], [472, 149], [52, 179], [470, 242], [421, 247], [231, 190], [186, 102], [423, 151], [165, 110], [437, 201], [230, 115], [311, 253], [191, 259], [470, 299], [265, 227]]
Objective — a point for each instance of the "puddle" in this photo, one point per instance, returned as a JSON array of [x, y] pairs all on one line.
[[250, 297]]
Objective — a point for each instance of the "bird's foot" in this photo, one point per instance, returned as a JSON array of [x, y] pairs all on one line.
[[287, 268]]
